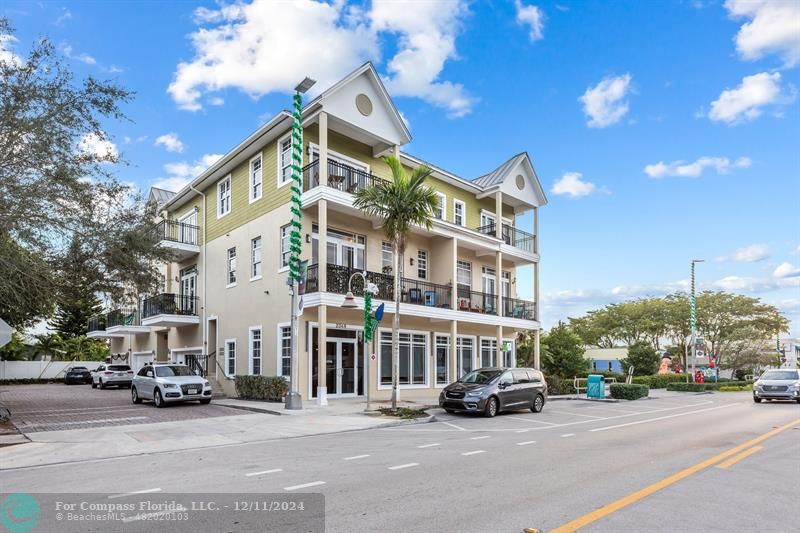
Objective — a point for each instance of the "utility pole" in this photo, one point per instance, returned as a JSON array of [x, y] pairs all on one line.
[[294, 400], [693, 315]]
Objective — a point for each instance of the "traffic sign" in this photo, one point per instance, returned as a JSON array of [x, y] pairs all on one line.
[[373, 357], [5, 333]]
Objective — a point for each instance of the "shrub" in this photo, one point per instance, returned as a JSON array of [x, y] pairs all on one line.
[[735, 388], [30, 381], [272, 388], [634, 391], [556, 386], [643, 357], [687, 387], [660, 381]]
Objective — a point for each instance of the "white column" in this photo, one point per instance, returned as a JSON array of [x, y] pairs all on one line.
[[498, 214], [536, 351], [323, 149], [453, 352], [322, 245], [322, 348], [536, 291], [536, 229], [499, 282], [454, 274], [499, 355], [396, 151]]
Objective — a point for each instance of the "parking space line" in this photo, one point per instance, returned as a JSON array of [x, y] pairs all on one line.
[[304, 485], [145, 491], [474, 452], [354, 457], [736, 458], [272, 471], [453, 426], [429, 445], [647, 420], [575, 414], [479, 438], [525, 443], [400, 467], [532, 420], [520, 431], [568, 435], [101, 421]]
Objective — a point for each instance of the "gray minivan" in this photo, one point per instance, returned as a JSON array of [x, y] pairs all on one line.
[[491, 390]]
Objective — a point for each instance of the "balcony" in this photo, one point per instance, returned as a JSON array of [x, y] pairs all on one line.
[[170, 310], [521, 240], [477, 302], [125, 321], [516, 308], [97, 328], [340, 177], [183, 239]]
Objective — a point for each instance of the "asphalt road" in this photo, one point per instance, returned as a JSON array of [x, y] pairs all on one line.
[[516, 471]]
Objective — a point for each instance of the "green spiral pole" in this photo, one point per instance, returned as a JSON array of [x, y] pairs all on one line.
[[295, 239]]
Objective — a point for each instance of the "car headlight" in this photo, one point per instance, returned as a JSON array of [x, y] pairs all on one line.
[[170, 386], [206, 384], [473, 394]]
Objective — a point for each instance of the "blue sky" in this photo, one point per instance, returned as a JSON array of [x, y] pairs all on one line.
[[661, 131]]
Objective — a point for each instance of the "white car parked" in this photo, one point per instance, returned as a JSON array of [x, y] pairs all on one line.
[[168, 383], [112, 375]]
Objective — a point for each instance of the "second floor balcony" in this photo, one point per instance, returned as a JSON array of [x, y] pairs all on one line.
[[341, 177], [180, 237], [125, 320], [171, 310], [519, 239]]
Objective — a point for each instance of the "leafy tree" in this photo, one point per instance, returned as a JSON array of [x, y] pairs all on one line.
[[399, 203], [643, 357], [563, 353], [85, 349], [77, 301], [16, 350], [49, 344]]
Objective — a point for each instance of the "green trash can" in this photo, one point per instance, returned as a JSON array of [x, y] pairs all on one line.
[[595, 386]]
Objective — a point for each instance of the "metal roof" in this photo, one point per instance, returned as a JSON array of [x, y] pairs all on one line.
[[496, 176], [161, 196]]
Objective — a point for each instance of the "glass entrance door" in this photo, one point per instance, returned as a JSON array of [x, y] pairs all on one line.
[[342, 367]]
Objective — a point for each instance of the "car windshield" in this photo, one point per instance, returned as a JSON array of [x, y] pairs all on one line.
[[780, 374], [119, 367], [77, 369], [169, 371], [480, 376]]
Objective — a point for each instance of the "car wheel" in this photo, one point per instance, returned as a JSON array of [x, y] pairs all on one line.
[[756, 399], [102, 385], [158, 401], [135, 396], [491, 407], [538, 404], [205, 402], [94, 385]]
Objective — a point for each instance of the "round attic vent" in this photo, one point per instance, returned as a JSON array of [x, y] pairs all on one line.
[[364, 104], [520, 182]]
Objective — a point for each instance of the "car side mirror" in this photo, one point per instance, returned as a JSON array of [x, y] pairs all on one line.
[[149, 374], [503, 384]]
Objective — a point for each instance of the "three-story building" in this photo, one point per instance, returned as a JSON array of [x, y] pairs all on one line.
[[225, 308]]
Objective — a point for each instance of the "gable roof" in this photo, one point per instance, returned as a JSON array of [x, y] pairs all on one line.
[[496, 176], [160, 196]]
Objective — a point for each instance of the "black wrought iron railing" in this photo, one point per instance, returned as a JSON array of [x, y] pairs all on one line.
[[180, 232], [516, 308], [487, 229], [477, 302], [126, 316], [198, 364], [170, 304], [97, 323], [522, 240], [340, 177]]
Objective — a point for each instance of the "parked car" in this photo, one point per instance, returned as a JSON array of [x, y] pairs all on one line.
[[168, 383], [112, 376], [491, 390], [778, 384], [77, 374]]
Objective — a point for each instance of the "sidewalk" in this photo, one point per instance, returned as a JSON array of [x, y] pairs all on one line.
[[335, 407], [266, 421]]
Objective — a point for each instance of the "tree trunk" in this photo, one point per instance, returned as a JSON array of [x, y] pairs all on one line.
[[396, 327]]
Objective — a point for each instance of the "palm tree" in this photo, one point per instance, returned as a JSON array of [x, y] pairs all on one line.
[[400, 203]]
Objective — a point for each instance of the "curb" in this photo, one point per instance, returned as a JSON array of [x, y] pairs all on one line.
[[251, 409], [575, 398]]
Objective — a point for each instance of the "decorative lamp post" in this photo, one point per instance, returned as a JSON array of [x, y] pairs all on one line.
[[693, 315]]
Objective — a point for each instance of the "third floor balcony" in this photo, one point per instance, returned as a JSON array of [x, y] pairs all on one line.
[[180, 237]]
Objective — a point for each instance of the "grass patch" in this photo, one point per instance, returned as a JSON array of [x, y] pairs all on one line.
[[406, 413], [735, 388]]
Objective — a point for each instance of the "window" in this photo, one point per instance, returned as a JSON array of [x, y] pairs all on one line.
[[387, 256], [442, 358], [440, 211], [255, 350], [231, 267], [255, 258], [464, 279], [285, 161], [458, 213], [464, 347], [413, 350], [224, 197], [344, 248], [285, 351], [422, 264], [255, 178], [488, 353], [487, 221], [230, 357], [285, 245]]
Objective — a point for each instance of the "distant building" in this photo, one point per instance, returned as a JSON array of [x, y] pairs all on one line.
[[606, 359]]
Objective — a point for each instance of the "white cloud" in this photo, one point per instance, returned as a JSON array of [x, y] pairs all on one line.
[[773, 28], [748, 101], [113, 69], [750, 284], [6, 55], [170, 141], [722, 165], [748, 254], [216, 101], [786, 270], [605, 103], [571, 184], [63, 17], [82, 57], [531, 16], [246, 50], [181, 173], [98, 146]]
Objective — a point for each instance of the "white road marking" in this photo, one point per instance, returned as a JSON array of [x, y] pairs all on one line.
[[568, 435], [251, 474], [79, 413], [532, 420], [304, 485], [101, 421], [453, 426], [521, 431], [429, 445], [663, 417], [574, 414], [354, 457], [400, 467], [525, 443], [479, 438], [145, 491], [474, 452]]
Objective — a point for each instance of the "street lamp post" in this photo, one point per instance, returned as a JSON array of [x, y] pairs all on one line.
[[350, 303], [693, 315], [294, 400]]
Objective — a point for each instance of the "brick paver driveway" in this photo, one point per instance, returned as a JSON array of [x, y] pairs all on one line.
[[58, 406]]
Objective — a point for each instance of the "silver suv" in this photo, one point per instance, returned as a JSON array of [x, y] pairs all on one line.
[[168, 383], [778, 384]]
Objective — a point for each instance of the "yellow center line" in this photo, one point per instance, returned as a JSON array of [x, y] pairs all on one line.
[[736, 458], [613, 507]]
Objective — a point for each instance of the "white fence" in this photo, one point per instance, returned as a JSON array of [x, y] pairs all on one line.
[[40, 369]]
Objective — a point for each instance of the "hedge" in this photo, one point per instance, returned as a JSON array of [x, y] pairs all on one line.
[[31, 381], [634, 391], [660, 381], [272, 388], [735, 388], [701, 387]]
